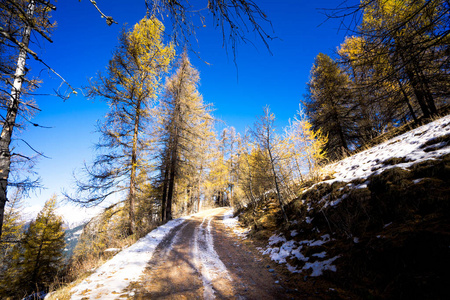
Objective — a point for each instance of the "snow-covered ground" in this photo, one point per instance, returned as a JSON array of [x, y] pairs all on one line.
[[279, 249], [231, 222], [411, 146], [109, 280]]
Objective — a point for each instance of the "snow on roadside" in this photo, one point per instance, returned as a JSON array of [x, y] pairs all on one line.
[[233, 223], [280, 250], [109, 280]]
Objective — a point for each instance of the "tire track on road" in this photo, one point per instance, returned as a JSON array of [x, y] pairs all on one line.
[[214, 273]]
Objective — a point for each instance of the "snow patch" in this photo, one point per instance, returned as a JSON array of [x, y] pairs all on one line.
[[233, 223], [292, 249], [109, 280], [275, 239], [387, 225], [207, 260], [113, 250], [319, 266], [408, 146]]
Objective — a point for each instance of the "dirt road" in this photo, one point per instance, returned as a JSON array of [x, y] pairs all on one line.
[[203, 259]]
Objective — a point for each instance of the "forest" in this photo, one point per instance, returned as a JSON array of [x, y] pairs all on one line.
[[160, 151]]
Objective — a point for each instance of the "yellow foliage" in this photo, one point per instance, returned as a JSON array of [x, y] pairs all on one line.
[[303, 145]]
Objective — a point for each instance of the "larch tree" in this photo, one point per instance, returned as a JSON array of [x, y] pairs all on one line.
[[231, 144], [43, 252], [24, 20], [218, 171], [224, 168], [329, 105], [185, 122], [411, 37], [368, 96], [130, 88], [255, 175], [304, 147], [267, 143], [412, 34], [13, 232]]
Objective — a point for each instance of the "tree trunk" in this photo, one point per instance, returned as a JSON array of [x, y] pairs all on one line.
[[170, 191], [420, 97], [418, 91], [164, 194], [280, 199], [408, 103], [172, 171], [34, 277], [132, 194], [10, 120], [426, 89]]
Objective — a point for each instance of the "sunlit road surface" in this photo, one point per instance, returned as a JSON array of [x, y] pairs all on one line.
[[202, 259]]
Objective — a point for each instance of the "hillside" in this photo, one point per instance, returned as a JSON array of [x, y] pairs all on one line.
[[377, 226]]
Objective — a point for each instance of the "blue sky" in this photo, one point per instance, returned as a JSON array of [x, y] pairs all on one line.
[[83, 44]]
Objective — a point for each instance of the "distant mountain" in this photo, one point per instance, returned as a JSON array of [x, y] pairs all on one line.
[[73, 216], [72, 236]]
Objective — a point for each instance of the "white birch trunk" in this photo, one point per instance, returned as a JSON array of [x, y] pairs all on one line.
[[10, 120]]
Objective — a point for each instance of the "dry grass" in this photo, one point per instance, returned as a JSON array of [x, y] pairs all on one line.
[[106, 231]]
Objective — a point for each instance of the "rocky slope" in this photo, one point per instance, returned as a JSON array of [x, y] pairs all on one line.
[[377, 228]]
